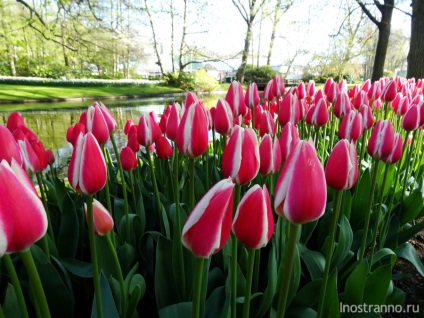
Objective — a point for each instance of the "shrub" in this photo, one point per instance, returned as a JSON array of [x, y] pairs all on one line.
[[261, 74], [199, 81]]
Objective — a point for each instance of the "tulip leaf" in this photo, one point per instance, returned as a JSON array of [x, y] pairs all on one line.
[[105, 256], [390, 179], [68, 236], [313, 260], [361, 198], [136, 292], [217, 305], [354, 288], [127, 256], [331, 298], [11, 306], [412, 206], [108, 303], [392, 235], [408, 252], [383, 253], [396, 297], [344, 243], [176, 310], [377, 285], [346, 206], [409, 232], [307, 295], [135, 228], [304, 312], [78, 268]]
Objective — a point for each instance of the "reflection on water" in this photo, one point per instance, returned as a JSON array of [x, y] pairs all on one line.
[[51, 125]]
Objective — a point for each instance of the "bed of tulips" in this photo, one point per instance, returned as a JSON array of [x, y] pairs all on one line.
[[286, 205]]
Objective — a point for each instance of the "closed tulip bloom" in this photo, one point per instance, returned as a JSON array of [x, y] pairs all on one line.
[[375, 91], [267, 124], [366, 85], [289, 110], [301, 192], [132, 139], [268, 92], [235, 98], [318, 114], [96, 124], [270, 155], [389, 91], [310, 88], [163, 121], [382, 140], [301, 91], [102, 220], [342, 86], [396, 153], [223, 121], [332, 93], [173, 121], [402, 106], [342, 106], [128, 159], [257, 113], [253, 223], [278, 86], [190, 100], [327, 85], [9, 148], [192, 135], [351, 126], [367, 116], [360, 100], [87, 168], [163, 148], [108, 116], [33, 155], [353, 91], [22, 214], [252, 98], [209, 224], [341, 170], [411, 119], [320, 94], [376, 104], [14, 121], [288, 139], [73, 133], [50, 156], [148, 129], [240, 159], [128, 124]]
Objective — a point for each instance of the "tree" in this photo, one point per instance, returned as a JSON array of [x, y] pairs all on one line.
[[248, 14], [416, 47], [383, 25]]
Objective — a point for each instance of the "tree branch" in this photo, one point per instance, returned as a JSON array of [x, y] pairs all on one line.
[[368, 13]]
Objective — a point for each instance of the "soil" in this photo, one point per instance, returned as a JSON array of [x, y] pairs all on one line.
[[413, 286]]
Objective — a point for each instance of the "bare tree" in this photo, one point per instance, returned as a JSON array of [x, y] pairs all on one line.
[[416, 48], [155, 42]]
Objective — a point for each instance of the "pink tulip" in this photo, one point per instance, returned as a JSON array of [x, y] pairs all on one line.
[[128, 159], [396, 153], [190, 100], [74, 131], [87, 168], [223, 121], [148, 129], [235, 98], [22, 214], [132, 138], [33, 155], [366, 85], [328, 83], [268, 92], [128, 124], [341, 170], [270, 155], [351, 126], [252, 98], [342, 86], [402, 106], [288, 139], [253, 223], [389, 91], [301, 192], [310, 89], [14, 121], [318, 114], [267, 124], [367, 116], [96, 124], [50, 156], [375, 91], [301, 91], [173, 121], [257, 113], [192, 135], [376, 104], [9, 148], [248, 117], [102, 220], [240, 159], [289, 110], [278, 85], [342, 105], [163, 148], [382, 140], [108, 116], [360, 100], [332, 93], [411, 119], [209, 224], [163, 122]]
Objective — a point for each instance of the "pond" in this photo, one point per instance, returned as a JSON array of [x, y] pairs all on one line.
[[51, 121]]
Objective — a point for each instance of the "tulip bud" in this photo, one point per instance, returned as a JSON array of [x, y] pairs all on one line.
[[332, 93], [360, 100], [310, 88], [267, 124], [289, 137], [109, 118], [102, 220], [318, 114], [190, 100], [301, 192], [223, 121], [289, 110], [73, 133], [87, 168], [14, 121], [209, 224], [268, 92], [401, 106], [33, 155], [301, 91], [9, 148], [341, 170], [129, 123], [278, 85], [375, 91], [240, 159], [342, 105], [389, 91], [351, 126], [132, 139], [252, 98], [173, 121], [328, 83], [257, 113], [366, 86], [396, 153], [50, 156], [22, 214], [163, 148], [128, 159], [235, 98], [411, 119], [253, 223], [367, 117], [148, 129], [96, 124], [270, 155], [382, 140]]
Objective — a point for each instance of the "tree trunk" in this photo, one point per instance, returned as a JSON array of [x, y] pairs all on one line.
[[381, 50], [275, 21], [416, 48], [155, 43], [245, 54], [11, 51]]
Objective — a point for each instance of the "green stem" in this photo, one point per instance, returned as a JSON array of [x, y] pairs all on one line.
[[257, 269], [49, 226], [197, 286], [408, 164], [330, 248], [36, 283], [250, 265], [107, 190], [207, 166], [237, 190], [124, 187], [380, 203], [368, 214], [191, 185], [16, 285], [94, 262], [285, 284]]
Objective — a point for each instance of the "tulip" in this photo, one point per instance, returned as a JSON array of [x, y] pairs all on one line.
[[411, 119], [163, 148], [278, 85], [351, 126], [270, 155], [301, 192], [332, 92], [248, 117], [375, 91], [289, 110], [223, 121], [190, 100], [148, 130], [376, 104], [288, 139], [382, 140], [342, 86], [318, 114], [128, 124], [173, 121], [396, 153], [360, 100], [341, 170], [257, 115], [192, 135], [367, 117], [87, 168], [34, 155], [267, 124], [163, 121], [102, 220], [366, 85], [9, 148], [235, 98], [389, 91], [310, 89], [328, 83], [301, 91], [253, 223], [240, 159], [96, 124], [268, 94], [73, 133], [209, 224], [50, 156], [22, 214], [320, 94], [252, 98], [342, 105], [402, 106], [132, 138], [14, 121], [108, 116], [128, 159]]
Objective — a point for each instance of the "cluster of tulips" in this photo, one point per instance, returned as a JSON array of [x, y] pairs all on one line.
[[323, 188]]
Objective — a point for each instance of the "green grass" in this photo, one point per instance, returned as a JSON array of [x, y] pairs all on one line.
[[18, 92]]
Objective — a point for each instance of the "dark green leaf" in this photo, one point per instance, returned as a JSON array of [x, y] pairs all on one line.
[[412, 206], [11, 306], [78, 268], [314, 261], [377, 285], [361, 198], [68, 237], [408, 252], [108, 303], [354, 288], [176, 310]]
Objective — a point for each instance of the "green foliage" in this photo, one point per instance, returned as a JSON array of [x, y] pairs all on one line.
[[199, 81], [261, 74]]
